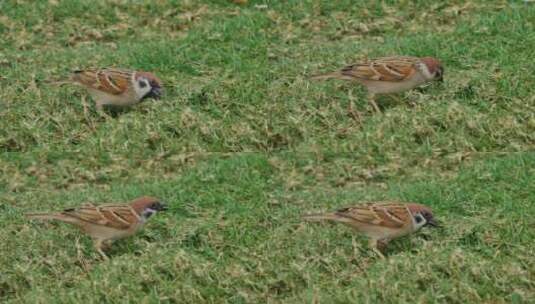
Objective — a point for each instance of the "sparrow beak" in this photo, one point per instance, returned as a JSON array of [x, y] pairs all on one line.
[[160, 206], [156, 92], [441, 75], [163, 207], [433, 223]]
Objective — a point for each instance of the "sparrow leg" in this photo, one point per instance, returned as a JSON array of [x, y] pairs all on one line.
[[351, 108], [99, 105], [98, 243], [86, 110], [81, 260], [374, 246], [371, 100], [84, 104], [381, 244], [106, 244]]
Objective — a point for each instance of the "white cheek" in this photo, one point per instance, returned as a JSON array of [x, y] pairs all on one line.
[[147, 213], [420, 224], [425, 71], [141, 91]]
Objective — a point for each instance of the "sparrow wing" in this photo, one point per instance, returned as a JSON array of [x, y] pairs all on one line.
[[391, 215], [112, 216], [111, 81], [392, 69]]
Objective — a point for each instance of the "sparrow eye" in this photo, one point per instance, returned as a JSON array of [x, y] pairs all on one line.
[[418, 219], [158, 206], [439, 74]]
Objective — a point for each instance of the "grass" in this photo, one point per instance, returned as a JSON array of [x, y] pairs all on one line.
[[243, 144]]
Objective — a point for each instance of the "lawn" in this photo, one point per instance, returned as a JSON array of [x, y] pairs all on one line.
[[243, 144]]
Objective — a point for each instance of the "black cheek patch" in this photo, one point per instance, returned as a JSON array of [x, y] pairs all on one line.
[[142, 84]]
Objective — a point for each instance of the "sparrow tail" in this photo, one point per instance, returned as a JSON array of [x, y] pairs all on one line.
[[326, 76], [72, 79], [60, 83], [317, 217], [80, 76], [48, 216]]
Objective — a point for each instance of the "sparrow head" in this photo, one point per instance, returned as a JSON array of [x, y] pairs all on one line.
[[422, 215], [435, 71], [146, 206], [147, 85]]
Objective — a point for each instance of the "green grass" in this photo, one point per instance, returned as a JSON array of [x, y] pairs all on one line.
[[242, 144]]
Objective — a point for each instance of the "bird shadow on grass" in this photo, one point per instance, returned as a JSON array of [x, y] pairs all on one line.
[[116, 111]]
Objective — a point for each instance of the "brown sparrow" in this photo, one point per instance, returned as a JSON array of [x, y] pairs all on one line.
[[381, 221], [117, 87], [107, 223], [388, 75]]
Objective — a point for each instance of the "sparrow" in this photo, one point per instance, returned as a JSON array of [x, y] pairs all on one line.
[[381, 222], [107, 223], [389, 75], [117, 87]]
